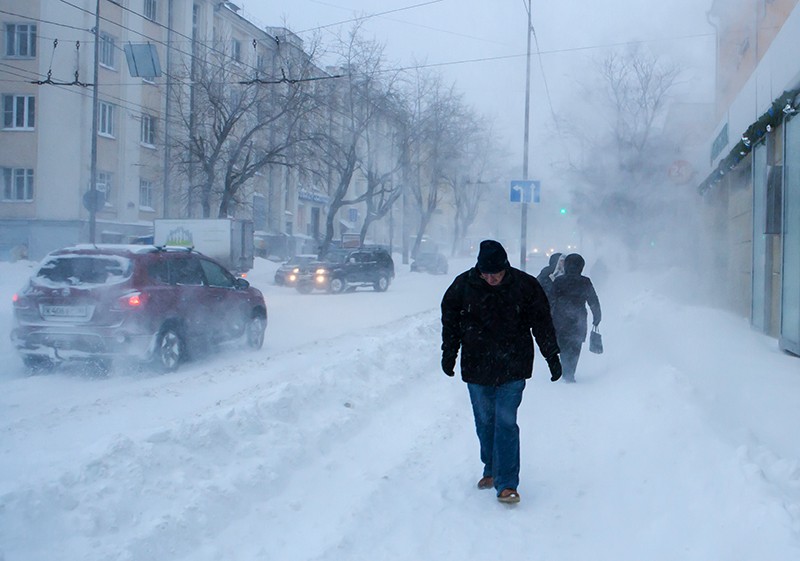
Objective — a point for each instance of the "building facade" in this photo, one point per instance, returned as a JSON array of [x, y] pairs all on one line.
[[752, 186], [59, 93]]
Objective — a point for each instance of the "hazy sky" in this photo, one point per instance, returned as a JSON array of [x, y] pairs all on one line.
[[481, 44]]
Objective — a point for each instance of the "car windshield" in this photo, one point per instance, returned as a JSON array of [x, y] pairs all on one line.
[[73, 270], [301, 259]]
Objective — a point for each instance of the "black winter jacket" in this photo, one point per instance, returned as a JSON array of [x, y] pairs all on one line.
[[492, 326], [571, 293]]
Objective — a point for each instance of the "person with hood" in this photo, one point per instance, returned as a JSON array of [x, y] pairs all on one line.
[[550, 272], [489, 312], [571, 293]]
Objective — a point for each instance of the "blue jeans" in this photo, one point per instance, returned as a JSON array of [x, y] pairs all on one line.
[[495, 411]]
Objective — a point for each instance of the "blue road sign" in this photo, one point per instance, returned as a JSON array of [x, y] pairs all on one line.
[[525, 192]]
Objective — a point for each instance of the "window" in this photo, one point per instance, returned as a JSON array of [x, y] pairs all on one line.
[[17, 184], [106, 119], [108, 51], [216, 275], [147, 135], [18, 111], [21, 40], [145, 194], [150, 9], [186, 271], [104, 185], [236, 50]]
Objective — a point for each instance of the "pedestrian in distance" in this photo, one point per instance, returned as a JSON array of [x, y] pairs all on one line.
[[572, 291], [549, 272], [492, 313]]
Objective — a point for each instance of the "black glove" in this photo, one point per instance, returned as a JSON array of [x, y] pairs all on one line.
[[449, 364], [554, 364]]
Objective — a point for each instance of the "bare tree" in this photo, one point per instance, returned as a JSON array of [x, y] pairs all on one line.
[[355, 105], [238, 119], [438, 118], [475, 171], [622, 174]]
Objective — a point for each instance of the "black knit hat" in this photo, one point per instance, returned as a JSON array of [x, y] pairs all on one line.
[[492, 257]]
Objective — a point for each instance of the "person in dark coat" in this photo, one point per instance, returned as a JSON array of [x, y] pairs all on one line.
[[489, 312], [571, 293], [547, 274]]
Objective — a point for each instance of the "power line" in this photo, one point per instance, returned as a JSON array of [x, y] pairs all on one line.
[[369, 16]]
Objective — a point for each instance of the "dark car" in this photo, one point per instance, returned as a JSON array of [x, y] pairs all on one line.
[[287, 273], [430, 262], [145, 303], [346, 270]]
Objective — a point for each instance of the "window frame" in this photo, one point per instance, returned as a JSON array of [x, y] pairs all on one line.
[[104, 183], [150, 10], [146, 186], [108, 51], [147, 131], [28, 112], [10, 176], [236, 50], [105, 119], [13, 39]]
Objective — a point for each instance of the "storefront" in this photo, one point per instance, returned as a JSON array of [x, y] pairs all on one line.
[[790, 293]]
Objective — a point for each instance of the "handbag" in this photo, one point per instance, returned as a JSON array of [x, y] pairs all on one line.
[[595, 341]]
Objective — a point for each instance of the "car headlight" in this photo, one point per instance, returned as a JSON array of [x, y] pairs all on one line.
[[320, 279], [296, 270], [321, 272], [292, 277]]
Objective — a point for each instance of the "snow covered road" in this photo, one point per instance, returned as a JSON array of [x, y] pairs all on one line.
[[342, 440]]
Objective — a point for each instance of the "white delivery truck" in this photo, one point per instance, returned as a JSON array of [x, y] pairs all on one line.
[[228, 240]]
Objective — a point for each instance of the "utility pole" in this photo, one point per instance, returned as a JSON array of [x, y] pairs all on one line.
[[95, 106], [167, 118], [523, 250]]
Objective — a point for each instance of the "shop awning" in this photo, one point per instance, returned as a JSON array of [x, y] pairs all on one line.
[[786, 104]]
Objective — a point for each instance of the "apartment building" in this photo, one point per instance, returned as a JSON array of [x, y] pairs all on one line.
[[124, 116], [752, 185]]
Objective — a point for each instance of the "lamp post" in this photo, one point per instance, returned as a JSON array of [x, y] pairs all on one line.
[[524, 212]]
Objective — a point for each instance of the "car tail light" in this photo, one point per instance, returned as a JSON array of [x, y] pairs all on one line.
[[131, 301], [19, 302]]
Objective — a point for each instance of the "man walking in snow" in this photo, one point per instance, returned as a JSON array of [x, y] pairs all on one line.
[[490, 312]]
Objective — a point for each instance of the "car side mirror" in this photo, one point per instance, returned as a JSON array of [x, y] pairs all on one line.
[[241, 284]]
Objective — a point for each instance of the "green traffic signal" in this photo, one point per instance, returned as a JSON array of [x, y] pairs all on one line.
[[563, 210]]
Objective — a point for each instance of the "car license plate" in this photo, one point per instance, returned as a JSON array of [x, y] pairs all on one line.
[[66, 312]]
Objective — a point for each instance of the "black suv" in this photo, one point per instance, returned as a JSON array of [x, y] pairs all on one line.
[[347, 270], [101, 302]]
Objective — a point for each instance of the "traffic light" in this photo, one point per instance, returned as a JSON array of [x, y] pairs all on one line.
[[563, 210]]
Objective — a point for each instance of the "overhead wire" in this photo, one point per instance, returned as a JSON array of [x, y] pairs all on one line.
[[285, 79]]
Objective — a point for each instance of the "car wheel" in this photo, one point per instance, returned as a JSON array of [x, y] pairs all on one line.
[[304, 288], [170, 350], [37, 364], [336, 285], [382, 284], [254, 332]]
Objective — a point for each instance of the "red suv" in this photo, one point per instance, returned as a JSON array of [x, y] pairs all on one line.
[[100, 302]]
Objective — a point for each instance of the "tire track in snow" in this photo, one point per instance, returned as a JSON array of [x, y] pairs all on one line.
[[223, 459]]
